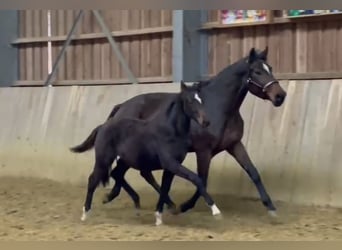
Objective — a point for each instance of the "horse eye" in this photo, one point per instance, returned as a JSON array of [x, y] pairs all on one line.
[[258, 72]]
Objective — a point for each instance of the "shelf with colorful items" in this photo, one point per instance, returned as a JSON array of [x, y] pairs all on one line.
[[244, 17], [309, 13], [238, 18]]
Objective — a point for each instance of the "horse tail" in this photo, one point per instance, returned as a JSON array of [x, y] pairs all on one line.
[[114, 111], [88, 143]]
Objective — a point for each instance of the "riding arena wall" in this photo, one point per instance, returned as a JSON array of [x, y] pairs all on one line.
[[295, 147]]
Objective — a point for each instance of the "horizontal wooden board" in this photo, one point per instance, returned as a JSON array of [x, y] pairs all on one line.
[[294, 47], [91, 36], [162, 79]]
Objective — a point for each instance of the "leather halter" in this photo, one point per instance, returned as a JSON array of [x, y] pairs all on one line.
[[263, 87]]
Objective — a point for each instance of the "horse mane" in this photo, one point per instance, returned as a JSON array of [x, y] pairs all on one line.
[[238, 65]]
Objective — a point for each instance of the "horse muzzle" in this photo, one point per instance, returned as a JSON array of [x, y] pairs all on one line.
[[279, 100]]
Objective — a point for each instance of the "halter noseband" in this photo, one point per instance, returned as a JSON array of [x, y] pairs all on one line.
[[263, 87]]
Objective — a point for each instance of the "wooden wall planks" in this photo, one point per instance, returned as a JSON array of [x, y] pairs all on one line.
[[148, 55]]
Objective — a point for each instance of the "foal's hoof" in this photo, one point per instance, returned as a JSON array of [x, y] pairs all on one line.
[[84, 214], [105, 199], [173, 209], [272, 214], [159, 219], [274, 218], [176, 211], [216, 212]]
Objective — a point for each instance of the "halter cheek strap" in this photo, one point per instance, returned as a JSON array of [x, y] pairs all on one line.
[[263, 87]]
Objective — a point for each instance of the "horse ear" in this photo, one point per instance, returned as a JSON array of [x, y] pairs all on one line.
[[252, 56], [263, 54]]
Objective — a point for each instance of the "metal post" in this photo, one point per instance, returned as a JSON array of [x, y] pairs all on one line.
[[9, 58], [204, 65], [188, 55], [177, 45], [110, 38], [65, 45]]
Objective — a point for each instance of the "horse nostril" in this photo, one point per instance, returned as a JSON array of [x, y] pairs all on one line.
[[279, 98]]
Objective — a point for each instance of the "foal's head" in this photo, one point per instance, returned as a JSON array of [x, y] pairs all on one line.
[[261, 81], [193, 104]]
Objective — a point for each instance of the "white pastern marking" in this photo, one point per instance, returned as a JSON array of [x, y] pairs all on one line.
[[266, 68], [215, 210], [198, 98], [84, 214], [159, 219], [273, 214]]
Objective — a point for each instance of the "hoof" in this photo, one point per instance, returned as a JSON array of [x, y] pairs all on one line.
[[159, 222], [84, 214], [215, 211], [159, 219], [272, 214], [173, 210], [177, 211], [274, 218], [105, 199], [137, 213], [184, 208]]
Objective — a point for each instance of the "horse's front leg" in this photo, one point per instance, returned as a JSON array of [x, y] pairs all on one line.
[[203, 163], [240, 154], [167, 179], [148, 176], [172, 167]]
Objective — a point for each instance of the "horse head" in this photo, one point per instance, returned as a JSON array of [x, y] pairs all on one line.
[[260, 79]]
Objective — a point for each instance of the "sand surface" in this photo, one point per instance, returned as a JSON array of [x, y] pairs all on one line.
[[35, 209]]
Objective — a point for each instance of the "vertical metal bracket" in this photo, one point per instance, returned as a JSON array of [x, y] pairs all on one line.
[[110, 38]]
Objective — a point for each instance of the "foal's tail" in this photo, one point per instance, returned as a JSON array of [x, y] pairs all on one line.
[[89, 142]]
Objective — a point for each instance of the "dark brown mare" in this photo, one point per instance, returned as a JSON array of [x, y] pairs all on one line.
[[223, 95], [147, 145]]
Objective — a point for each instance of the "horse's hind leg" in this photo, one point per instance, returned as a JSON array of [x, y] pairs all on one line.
[[118, 174], [99, 174], [131, 192], [148, 176]]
